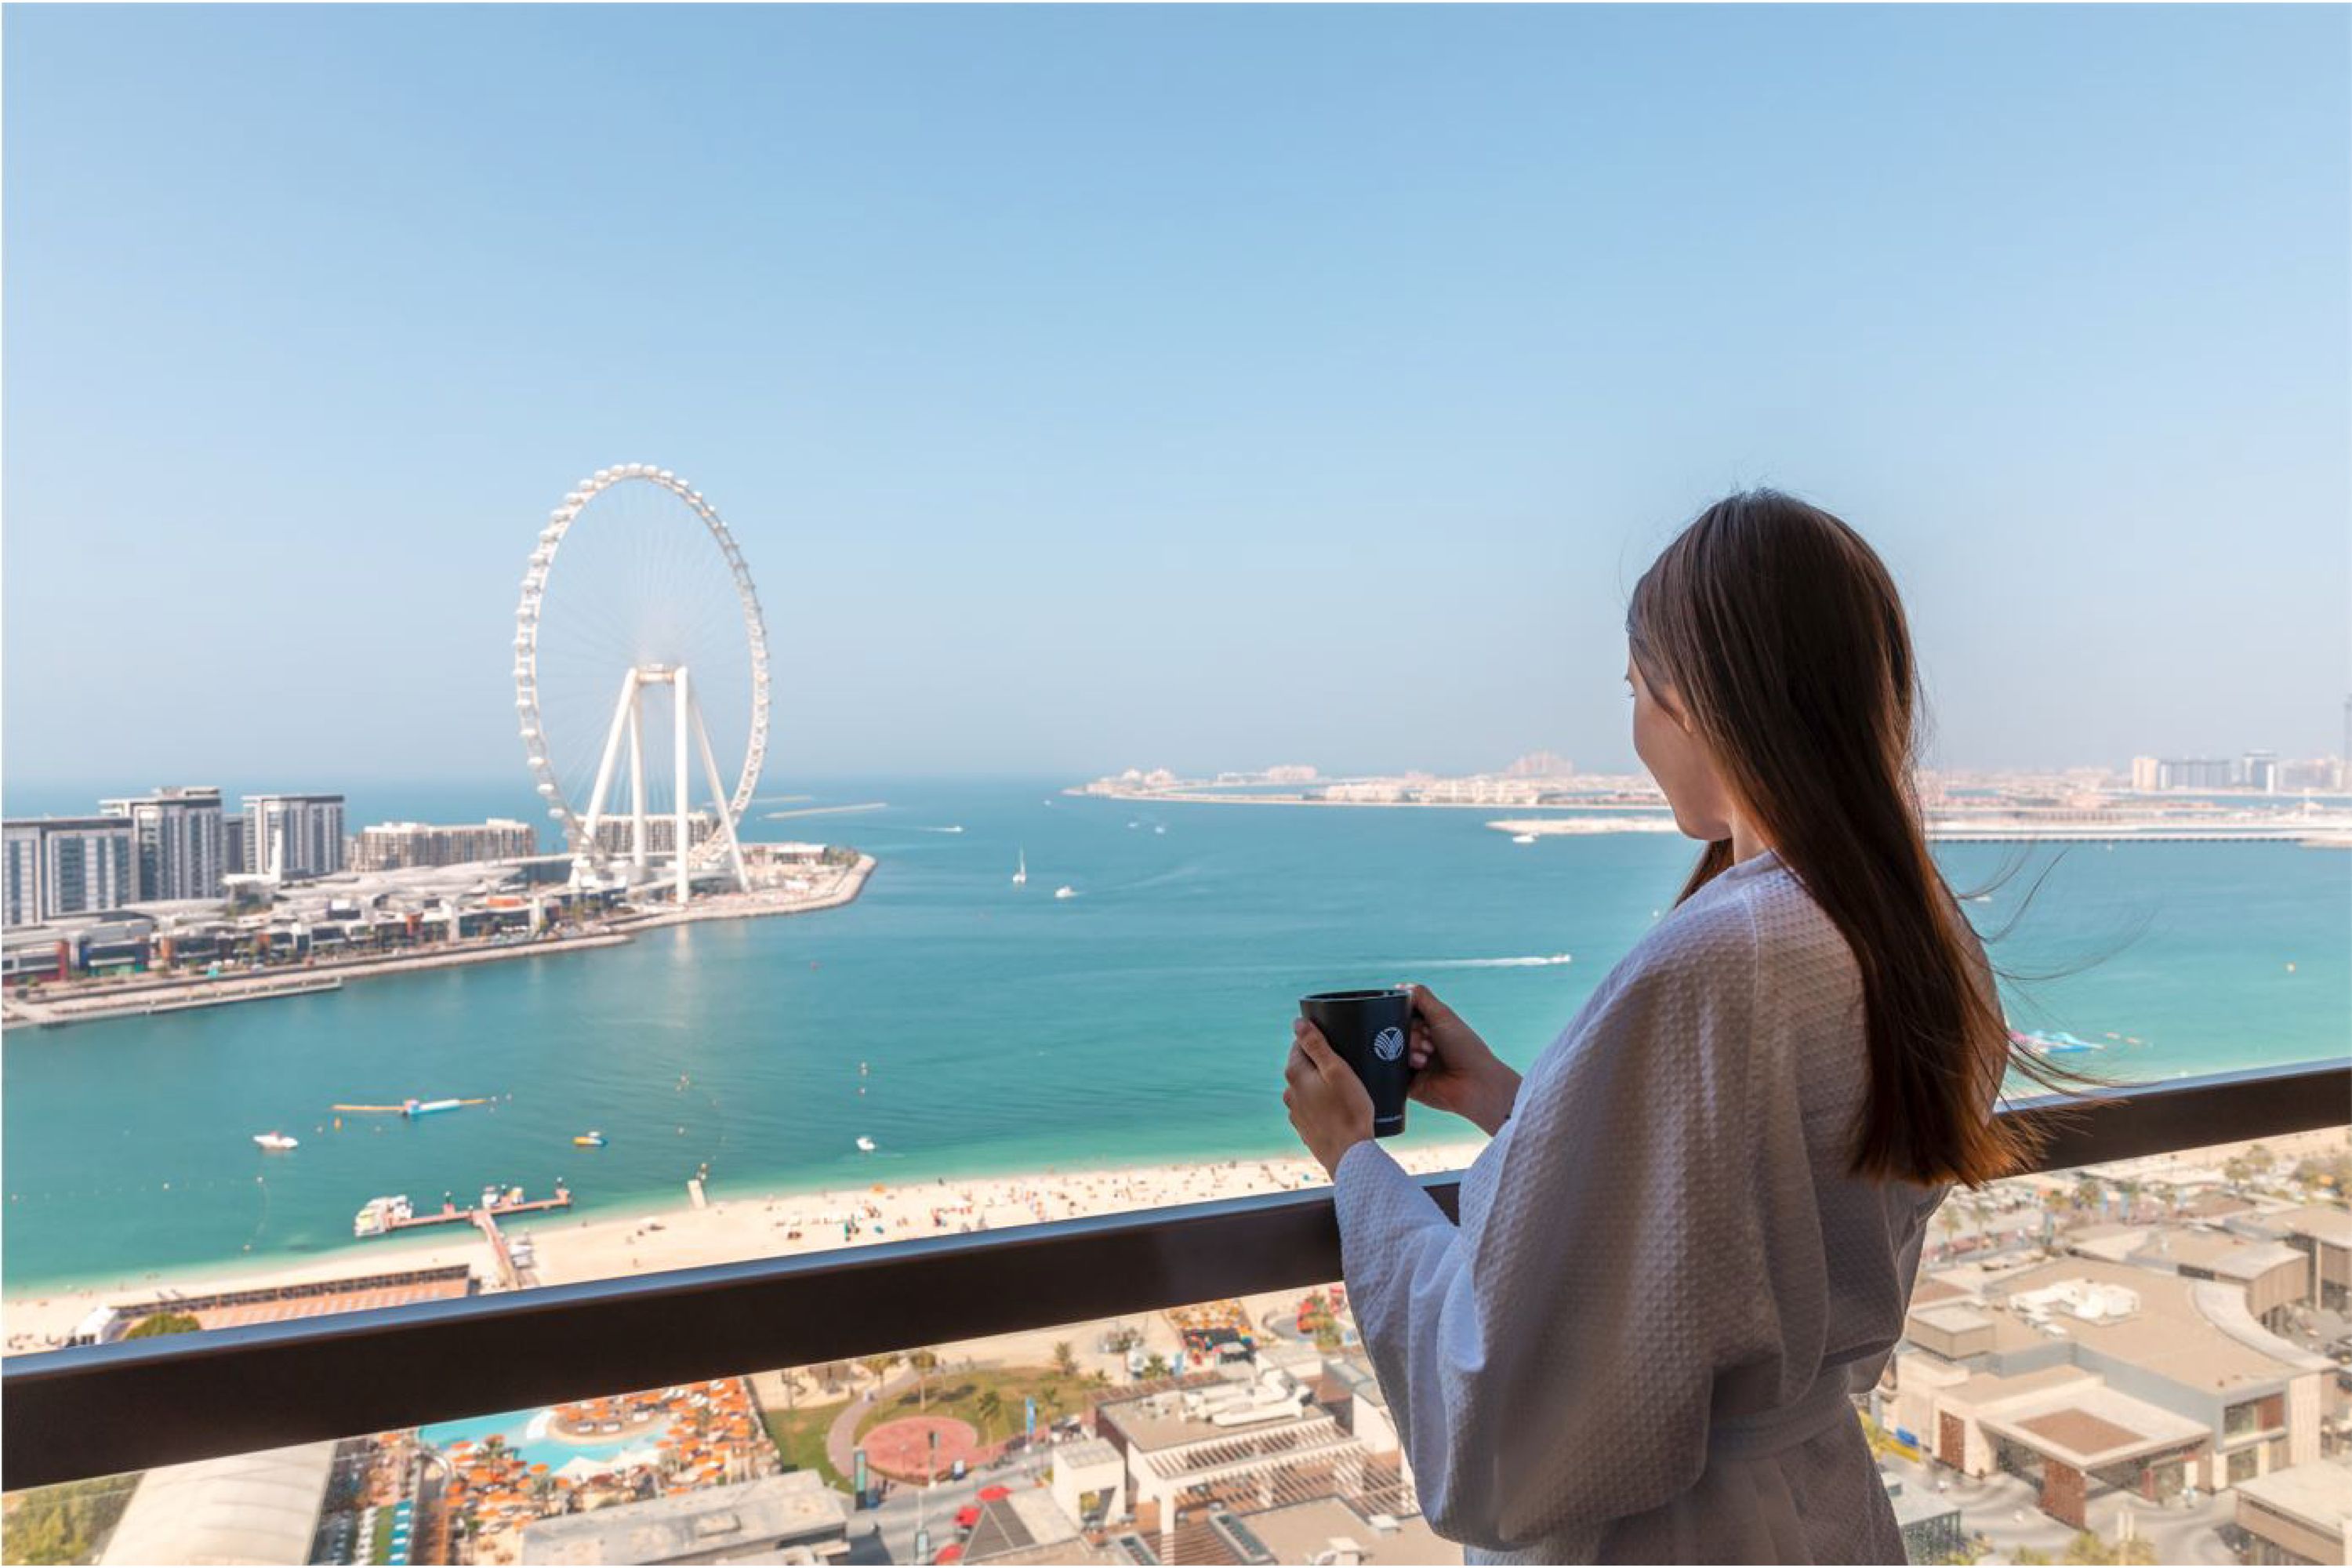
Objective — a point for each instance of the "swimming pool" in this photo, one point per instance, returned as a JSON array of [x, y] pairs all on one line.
[[529, 1435]]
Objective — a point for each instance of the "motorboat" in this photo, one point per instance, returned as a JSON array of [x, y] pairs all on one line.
[[277, 1141], [379, 1216], [1021, 871], [1523, 839], [865, 1144], [1066, 892], [591, 1140]]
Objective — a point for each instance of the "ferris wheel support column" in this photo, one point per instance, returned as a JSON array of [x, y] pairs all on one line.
[[680, 700], [623, 712], [718, 799], [637, 783]]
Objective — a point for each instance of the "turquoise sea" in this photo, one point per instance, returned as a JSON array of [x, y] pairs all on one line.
[[1144, 1019]]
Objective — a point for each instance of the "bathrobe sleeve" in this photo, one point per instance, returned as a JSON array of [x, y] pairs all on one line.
[[1551, 1363]]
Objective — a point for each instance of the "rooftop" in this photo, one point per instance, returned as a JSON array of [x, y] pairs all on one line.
[[2225, 1255], [2163, 1330], [2088, 1427], [2317, 1492], [748, 1516], [252, 1507], [2328, 1222], [1175, 1416], [1027, 1527], [1988, 1388], [1296, 1533]]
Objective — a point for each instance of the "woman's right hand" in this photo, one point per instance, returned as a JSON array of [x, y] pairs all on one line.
[[1453, 1070]]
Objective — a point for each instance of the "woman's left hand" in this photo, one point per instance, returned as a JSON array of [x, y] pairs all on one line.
[[1327, 1103]]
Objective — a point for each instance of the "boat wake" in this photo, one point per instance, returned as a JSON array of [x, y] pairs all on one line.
[[1534, 961]]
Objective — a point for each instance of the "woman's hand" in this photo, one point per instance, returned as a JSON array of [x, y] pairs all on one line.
[[1328, 1102], [1453, 1070]]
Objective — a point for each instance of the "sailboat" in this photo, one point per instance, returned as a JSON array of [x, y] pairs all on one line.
[[1020, 873]]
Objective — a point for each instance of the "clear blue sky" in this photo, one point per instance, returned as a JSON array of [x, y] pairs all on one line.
[[1209, 387]]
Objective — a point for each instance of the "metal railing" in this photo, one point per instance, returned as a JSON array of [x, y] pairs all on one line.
[[105, 1409]]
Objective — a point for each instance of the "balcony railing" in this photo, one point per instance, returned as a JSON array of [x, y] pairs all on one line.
[[106, 1409]]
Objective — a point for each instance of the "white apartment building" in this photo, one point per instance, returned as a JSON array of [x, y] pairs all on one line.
[[181, 847], [305, 831], [66, 865]]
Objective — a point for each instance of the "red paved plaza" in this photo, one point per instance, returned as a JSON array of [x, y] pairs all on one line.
[[900, 1448]]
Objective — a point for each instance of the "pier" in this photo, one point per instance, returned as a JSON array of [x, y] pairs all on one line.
[[450, 1214]]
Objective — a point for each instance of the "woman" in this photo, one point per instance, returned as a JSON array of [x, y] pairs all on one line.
[[1692, 1236]]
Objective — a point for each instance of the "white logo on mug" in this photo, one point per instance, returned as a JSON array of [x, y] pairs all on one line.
[[1389, 1044]]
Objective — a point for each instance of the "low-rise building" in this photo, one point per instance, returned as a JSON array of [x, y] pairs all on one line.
[[2300, 1515], [2086, 1376], [2275, 1276], [614, 833], [1204, 1460], [2322, 1233], [791, 1518], [398, 846]]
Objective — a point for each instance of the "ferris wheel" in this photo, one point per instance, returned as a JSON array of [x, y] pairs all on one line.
[[653, 610]]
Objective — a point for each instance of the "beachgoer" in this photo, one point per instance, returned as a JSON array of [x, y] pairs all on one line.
[[1693, 1236]]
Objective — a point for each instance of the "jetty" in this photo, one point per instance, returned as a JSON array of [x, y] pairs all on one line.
[[450, 1214]]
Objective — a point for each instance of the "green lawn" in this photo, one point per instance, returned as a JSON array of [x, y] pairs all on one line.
[[799, 1437], [957, 1394]]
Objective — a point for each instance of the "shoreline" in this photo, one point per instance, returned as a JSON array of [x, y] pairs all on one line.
[[2328, 832], [754, 1222], [140, 999], [739, 1223]]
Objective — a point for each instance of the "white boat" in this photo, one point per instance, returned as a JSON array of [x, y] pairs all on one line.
[[379, 1216], [1021, 872], [1066, 892], [865, 1144], [1159, 828], [277, 1141], [1523, 839]]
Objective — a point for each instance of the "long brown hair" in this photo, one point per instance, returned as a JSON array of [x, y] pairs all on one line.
[[1778, 634]]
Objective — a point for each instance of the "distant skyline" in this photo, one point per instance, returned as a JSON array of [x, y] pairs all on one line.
[[1205, 388]]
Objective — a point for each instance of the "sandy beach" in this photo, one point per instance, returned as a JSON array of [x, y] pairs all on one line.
[[736, 1227], [739, 1226]]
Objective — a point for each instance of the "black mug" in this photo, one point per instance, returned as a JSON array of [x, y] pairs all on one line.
[[1369, 1030]]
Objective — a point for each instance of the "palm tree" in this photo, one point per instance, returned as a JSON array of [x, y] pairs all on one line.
[[1157, 1366], [989, 1407], [1065, 1362], [925, 1362], [878, 1366]]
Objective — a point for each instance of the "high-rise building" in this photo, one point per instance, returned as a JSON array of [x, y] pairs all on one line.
[[178, 833], [2195, 773], [295, 835], [1540, 765], [393, 846], [2259, 770], [237, 852], [66, 865], [2147, 774]]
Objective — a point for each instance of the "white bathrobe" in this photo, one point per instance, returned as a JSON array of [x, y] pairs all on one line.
[[1641, 1342]]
